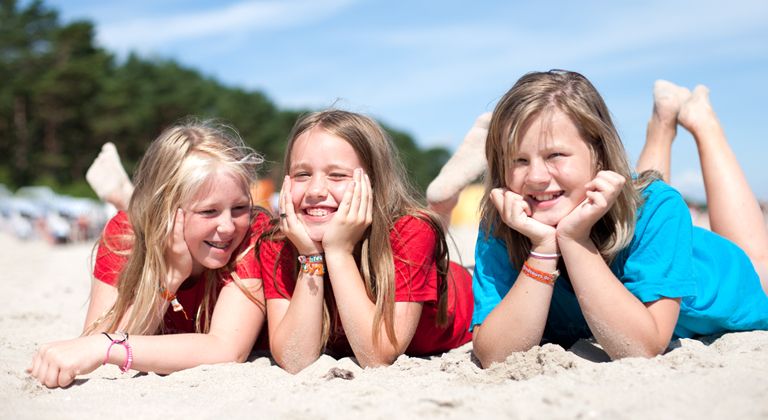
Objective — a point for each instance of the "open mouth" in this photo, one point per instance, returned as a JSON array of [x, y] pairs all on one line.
[[319, 211], [218, 245], [540, 198]]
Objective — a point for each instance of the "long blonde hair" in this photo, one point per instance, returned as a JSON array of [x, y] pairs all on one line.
[[571, 93], [393, 198], [175, 168]]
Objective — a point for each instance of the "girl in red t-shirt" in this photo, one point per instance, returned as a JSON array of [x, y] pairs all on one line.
[[355, 265], [179, 261]]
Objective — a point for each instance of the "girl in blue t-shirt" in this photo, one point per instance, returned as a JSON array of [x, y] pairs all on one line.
[[572, 245]]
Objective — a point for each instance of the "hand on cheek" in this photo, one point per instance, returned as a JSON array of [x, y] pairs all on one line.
[[293, 228], [177, 255], [352, 218], [601, 193], [516, 214]]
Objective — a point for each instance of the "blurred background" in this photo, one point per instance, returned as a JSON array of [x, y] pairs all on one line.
[[77, 73]]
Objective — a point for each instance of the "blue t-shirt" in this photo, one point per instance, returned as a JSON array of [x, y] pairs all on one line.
[[668, 257]]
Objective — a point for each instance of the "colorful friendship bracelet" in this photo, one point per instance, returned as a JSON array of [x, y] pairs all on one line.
[[312, 264], [128, 351], [540, 276]]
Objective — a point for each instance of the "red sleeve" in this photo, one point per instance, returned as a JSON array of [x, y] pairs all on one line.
[[279, 276], [413, 249], [114, 245]]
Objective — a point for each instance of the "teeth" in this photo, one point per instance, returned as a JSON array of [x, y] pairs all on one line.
[[545, 197], [218, 245], [318, 212]]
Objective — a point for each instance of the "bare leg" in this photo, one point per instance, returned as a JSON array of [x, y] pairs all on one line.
[[662, 128], [733, 209], [108, 179], [466, 165]]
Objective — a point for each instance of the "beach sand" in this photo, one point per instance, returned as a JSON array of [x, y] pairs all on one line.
[[44, 290]]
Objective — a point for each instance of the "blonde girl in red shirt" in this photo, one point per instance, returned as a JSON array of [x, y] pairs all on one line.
[[179, 261]]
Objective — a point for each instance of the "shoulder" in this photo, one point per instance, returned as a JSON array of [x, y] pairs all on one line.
[[261, 222], [117, 232], [660, 199], [413, 237], [413, 223], [659, 193]]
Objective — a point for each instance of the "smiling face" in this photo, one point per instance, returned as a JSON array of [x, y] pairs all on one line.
[[551, 166], [216, 221], [322, 165]]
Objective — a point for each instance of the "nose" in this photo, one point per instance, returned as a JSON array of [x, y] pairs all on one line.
[[317, 187], [226, 223], [538, 172]]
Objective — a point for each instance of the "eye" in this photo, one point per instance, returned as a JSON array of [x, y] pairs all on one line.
[[555, 155], [241, 209], [519, 161], [300, 176], [208, 212], [338, 176]]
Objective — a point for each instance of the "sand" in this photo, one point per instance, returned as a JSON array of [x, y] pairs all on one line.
[[45, 289]]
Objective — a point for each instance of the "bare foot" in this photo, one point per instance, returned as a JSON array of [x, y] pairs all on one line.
[[108, 179], [466, 165], [668, 98], [697, 114]]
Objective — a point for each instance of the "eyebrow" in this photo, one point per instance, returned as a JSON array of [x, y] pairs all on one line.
[[331, 165]]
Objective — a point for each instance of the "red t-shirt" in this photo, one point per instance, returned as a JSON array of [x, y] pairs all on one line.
[[413, 245], [112, 256]]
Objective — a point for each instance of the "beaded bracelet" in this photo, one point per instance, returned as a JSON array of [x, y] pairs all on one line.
[[128, 350], [543, 256], [174, 301], [540, 276], [312, 264]]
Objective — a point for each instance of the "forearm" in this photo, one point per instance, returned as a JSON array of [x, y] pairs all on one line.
[[357, 312], [296, 341], [516, 323], [620, 322], [165, 354]]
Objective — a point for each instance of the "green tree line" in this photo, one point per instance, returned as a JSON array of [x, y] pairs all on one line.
[[62, 97]]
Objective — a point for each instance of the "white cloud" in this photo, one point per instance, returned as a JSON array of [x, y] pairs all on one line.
[[154, 32]]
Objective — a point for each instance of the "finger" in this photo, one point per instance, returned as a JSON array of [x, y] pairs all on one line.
[[368, 207], [346, 201], [65, 378], [597, 199], [497, 198], [354, 203], [51, 376]]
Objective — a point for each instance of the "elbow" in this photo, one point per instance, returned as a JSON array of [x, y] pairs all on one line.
[[642, 350], [487, 356], [378, 360], [489, 351], [292, 364]]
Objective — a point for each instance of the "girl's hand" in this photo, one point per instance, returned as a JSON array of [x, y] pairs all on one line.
[[352, 218], [57, 364], [177, 256], [516, 213], [292, 227], [601, 194]]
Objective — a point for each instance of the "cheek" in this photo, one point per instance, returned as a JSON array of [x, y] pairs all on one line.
[[512, 180], [297, 193], [338, 189]]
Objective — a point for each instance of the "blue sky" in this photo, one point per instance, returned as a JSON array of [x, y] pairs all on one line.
[[430, 67]]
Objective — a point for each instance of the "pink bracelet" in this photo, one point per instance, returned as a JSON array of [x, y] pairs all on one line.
[[128, 350]]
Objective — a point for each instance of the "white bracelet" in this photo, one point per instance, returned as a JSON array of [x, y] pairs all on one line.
[[543, 256]]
